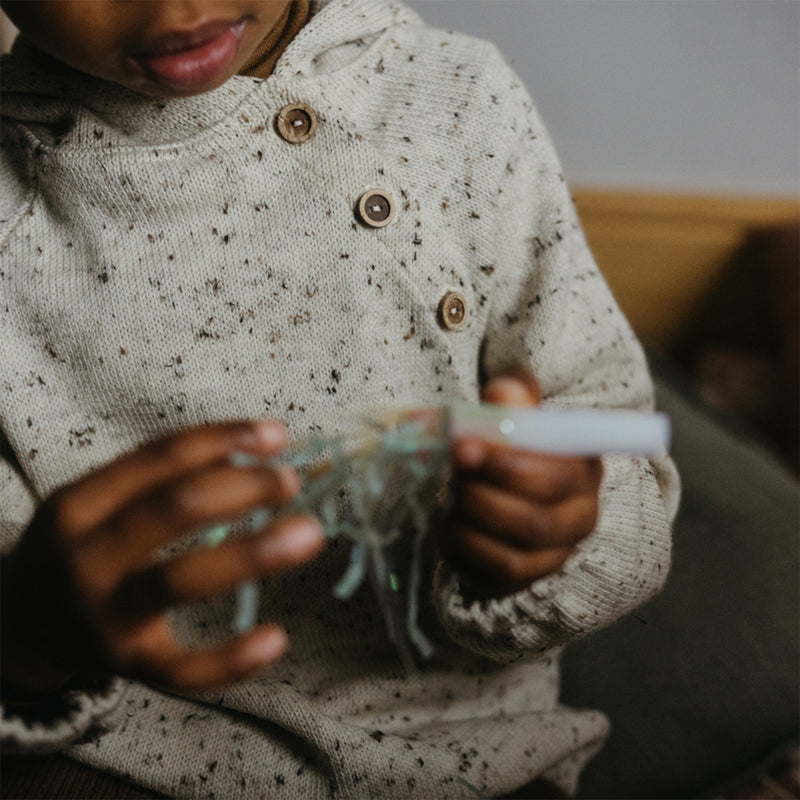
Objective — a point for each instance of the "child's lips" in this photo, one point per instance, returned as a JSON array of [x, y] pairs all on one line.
[[186, 60]]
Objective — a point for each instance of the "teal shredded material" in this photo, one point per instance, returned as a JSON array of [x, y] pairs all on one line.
[[247, 607], [388, 475], [216, 535], [354, 574]]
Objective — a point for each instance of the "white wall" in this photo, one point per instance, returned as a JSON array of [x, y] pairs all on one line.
[[680, 94], [675, 94]]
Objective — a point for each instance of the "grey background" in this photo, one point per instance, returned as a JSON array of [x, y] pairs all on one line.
[[699, 95]]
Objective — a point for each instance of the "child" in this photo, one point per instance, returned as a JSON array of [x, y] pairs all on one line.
[[380, 222]]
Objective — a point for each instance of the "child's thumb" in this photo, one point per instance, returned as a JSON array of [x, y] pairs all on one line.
[[514, 388]]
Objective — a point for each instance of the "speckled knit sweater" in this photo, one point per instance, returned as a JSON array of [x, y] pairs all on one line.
[[172, 262]]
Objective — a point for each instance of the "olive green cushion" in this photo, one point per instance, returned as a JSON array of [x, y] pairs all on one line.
[[701, 684]]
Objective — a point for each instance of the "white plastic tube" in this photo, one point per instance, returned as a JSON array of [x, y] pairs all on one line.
[[578, 432]]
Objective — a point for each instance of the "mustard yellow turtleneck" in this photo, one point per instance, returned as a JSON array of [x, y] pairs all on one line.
[[264, 57]]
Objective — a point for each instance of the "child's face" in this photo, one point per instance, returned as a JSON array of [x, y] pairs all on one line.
[[165, 48]]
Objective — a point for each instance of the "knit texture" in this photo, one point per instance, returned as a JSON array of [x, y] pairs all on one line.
[[173, 262]]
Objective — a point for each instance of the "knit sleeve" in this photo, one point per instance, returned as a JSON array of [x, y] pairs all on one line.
[[41, 724], [553, 312]]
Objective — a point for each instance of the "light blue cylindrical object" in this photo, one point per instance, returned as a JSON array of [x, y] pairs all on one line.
[[578, 432]]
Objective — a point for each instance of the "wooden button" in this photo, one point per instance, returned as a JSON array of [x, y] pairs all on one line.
[[296, 123], [453, 311], [375, 208]]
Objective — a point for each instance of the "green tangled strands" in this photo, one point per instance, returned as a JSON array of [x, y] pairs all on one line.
[[387, 472]]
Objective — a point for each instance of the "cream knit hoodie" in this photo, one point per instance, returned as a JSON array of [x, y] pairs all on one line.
[[172, 262]]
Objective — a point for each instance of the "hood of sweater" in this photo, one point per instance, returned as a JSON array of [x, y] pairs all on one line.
[[51, 100]]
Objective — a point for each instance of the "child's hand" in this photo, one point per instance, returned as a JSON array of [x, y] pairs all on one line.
[[517, 515], [83, 590]]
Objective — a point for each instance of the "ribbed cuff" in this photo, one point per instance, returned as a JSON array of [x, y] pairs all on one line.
[[49, 723]]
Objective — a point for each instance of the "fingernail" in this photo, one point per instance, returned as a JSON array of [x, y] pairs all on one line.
[[265, 647], [270, 434], [298, 536], [508, 391]]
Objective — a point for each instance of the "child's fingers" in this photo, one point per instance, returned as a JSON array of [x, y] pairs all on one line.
[[242, 658], [208, 571], [164, 513], [493, 564], [547, 478], [154, 655], [515, 520], [515, 387], [86, 503]]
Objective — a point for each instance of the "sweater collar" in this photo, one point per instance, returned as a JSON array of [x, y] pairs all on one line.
[[51, 99], [336, 24]]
